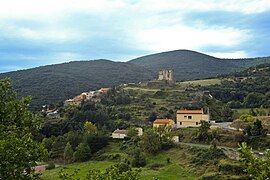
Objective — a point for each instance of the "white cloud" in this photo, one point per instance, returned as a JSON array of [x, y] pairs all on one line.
[[150, 25], [244, 6], [235, 54], [26, 8], [32, 8], [184, 37]]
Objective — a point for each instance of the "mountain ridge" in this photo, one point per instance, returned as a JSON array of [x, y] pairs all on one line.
[[55, 83]]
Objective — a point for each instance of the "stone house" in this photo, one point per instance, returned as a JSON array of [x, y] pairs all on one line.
[[191, 118]]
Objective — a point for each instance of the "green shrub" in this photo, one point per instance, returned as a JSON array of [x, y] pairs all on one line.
[[82, 153], [50, 165], [231, 168]]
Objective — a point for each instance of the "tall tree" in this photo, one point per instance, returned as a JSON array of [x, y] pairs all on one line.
[[18, 151], [68, 153]]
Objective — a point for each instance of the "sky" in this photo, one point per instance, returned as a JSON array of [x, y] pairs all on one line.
[[42, 32]]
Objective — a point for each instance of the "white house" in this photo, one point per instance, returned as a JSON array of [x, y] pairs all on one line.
[[119, 134]]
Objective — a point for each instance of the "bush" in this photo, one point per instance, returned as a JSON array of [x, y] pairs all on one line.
[[109, 157], [50, 165], [168, 160], [138, 159], [83, 152], [231, 168], [96, 142]]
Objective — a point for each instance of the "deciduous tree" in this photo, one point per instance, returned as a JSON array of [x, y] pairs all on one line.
[[18, 151]]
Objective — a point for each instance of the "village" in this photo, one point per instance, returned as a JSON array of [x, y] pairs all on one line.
[[185, 117], [155, 125]]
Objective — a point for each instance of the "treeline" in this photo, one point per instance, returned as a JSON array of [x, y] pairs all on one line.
[[246, 89]]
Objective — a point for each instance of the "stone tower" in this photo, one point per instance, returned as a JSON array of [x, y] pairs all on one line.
[[166, 75]]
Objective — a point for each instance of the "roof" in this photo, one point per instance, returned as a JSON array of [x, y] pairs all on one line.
[[163, 121], [187, 111], [121, 131], [104, 90]]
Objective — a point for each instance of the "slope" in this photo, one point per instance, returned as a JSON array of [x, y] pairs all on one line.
[[190, 65], [55, 83]]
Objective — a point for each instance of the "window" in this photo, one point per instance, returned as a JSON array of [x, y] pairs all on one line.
[[189, 117], [197, 123], [185, 117], [180, 123]]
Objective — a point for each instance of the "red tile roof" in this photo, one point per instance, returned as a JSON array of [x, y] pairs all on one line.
[[187, 111], [162, 121], [104, 90]]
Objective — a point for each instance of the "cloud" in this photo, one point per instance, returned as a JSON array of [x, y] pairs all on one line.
[[43, 32], [235, 54], [184, 37]]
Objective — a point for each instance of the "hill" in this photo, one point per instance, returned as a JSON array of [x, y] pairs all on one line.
[[55, 83], [189, 65]]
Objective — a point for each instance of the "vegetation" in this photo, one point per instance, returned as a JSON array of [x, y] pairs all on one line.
[[73, 78], [19, 152], [43, 83], [257, 168], [246, 89], [82, 133]]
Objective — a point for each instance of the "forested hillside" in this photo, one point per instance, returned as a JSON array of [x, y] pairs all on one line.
[[190, 65], [245, 89], [55, 83]]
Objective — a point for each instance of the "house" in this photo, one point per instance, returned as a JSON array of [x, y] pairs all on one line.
[[119, 134], [163, 122], [39, 169], [140, 131], [103, 90], [191, 118], [53, 114]]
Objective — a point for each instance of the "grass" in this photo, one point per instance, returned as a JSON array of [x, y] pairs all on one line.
[[204, 82], [83, 168], [174, 170], [241, 111], [169, 172]]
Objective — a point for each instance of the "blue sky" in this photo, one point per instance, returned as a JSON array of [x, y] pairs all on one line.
[[35, 33]]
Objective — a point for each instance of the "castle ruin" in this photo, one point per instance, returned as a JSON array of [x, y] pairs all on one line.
[[166, 75]]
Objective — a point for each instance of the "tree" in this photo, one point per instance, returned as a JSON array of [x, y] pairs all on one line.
[[68, 153], [257, 168], [90, 128], [150, 142], [119, 171], [138, 159], [18, 151], [203, 134], [165, 136], [254, 99], [58, 147], [247, 118], [82, 153], [256, 129], [96, 142]]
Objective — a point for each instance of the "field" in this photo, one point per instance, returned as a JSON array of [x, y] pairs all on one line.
[[82, 167], [157, 166], [204, 82], [241, 111]]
